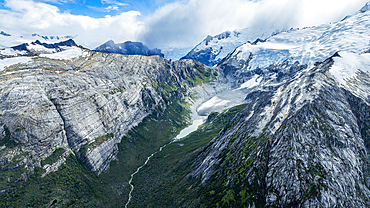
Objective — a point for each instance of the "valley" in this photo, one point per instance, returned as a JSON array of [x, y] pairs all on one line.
[[248, 118]]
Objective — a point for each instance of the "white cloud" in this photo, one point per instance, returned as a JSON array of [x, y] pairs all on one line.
[[118, 3], [189, 21], [110, 8], [182, 24], [56, 1], [28, 17]]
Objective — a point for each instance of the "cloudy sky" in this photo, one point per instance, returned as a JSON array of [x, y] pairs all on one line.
[[163, 23]]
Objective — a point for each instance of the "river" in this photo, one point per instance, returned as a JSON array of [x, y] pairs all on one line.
[[183, 133]]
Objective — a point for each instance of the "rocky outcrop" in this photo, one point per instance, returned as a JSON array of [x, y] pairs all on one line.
[[85, 104]]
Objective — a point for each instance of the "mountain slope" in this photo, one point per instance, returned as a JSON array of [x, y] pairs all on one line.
[[299, 139], [84, 102], [303, 138], [301, 143]]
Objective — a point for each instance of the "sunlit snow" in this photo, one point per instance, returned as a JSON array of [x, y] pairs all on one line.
[[11, 52], [256, 80], [348, 64], [11, 61], [69, 54], [310, 45]]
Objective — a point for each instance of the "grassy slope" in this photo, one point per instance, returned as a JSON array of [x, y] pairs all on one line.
[[76, 186]]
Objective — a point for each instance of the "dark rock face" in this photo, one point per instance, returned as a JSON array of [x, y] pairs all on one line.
[[5, 34], [205, 56], [128, 48]]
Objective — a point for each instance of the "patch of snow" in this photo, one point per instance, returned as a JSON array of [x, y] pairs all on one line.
[[348, 64], [213, 104], [11, 61], [256, 80], [73, 52], [276, 46], [365, 8], [222, 44], [193, 127], [11, 52], [17, 39], [40, 48]]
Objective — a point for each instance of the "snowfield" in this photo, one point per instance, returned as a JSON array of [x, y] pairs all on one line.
[[348, 65], [11, 61], [310, 45], [69, 54]]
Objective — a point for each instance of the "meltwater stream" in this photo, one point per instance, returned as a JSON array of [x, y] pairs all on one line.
[[183, 133]]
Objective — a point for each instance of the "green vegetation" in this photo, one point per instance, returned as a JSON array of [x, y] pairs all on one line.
[[202, 75], [73, 185], [96, 142], [7, 140], [53, 157], [163, 182]]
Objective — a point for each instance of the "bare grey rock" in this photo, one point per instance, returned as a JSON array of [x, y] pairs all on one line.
[[85, 104]]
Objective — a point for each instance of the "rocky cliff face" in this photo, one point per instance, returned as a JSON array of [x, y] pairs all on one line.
[[85, 104]]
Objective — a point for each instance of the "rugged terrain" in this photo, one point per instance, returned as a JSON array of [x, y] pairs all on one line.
[[302, 140], [82, 105], [287, 125]]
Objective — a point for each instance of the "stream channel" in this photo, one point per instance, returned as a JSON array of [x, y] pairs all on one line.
[[183, 133]]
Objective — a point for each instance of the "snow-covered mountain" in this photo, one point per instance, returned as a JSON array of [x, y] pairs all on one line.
[[302, 46], [38, 48], [65, 50], [300, 139], [8, 40], [128, 48], [214, 48], [284, 55]]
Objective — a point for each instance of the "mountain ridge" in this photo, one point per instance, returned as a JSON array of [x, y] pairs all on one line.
[[128, 48], [297, 136]]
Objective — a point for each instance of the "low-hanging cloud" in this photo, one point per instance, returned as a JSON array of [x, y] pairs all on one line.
[[189, 21]]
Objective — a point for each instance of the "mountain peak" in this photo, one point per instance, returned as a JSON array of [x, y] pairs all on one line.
[[214, 48], [128, 48], [365, 8], [5, 34]]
